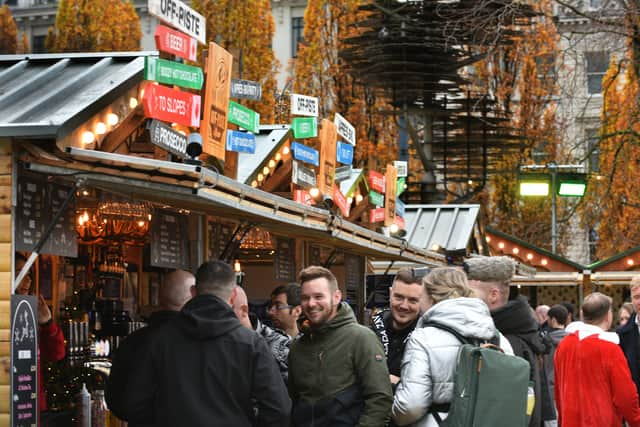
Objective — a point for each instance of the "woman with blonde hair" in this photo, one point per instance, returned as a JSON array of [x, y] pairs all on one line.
[[624, 313], [428, 365]]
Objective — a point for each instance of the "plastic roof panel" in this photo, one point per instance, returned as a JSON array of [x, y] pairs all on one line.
[[44, 95], [449, 226]]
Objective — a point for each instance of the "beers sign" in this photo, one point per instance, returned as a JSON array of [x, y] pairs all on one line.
[[304, 105], [180, 16], [176, 43], [171, 105]]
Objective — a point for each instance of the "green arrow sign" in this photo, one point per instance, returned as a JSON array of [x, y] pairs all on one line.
[[305, 127], [376, 198], [400, 186], [244, 117], [172, 73]]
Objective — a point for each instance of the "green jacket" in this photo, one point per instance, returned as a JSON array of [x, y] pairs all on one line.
[[325, 361]]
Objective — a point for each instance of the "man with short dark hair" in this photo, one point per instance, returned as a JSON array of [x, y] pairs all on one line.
[[630, 334], [285, 310], [605, 393], [557, 319], [205, 367], [337, 370], [394, 325]]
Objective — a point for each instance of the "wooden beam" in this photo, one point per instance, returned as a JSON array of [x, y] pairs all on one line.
[[279, 177], [359, 209], [115, 138]]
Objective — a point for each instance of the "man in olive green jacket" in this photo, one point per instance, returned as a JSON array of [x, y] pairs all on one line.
[[338, 374]]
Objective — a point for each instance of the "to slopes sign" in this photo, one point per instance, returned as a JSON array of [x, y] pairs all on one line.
[[168, 139], [172, 73], [171, 105], [304, 105], [181, 16], [176, 43]]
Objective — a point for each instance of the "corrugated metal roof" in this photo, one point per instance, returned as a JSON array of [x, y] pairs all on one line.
[[49, 95], [268, 141], [448, 226]]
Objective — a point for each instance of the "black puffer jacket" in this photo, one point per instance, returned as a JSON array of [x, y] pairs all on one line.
[[205, 367], [392, 341], [518, 324]]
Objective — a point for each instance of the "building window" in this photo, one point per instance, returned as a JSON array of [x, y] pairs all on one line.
[[595, 4], [9, 2], [593, 149], [545, 66], [593, 245], [597, 64], [297, 29], [37, 44], [539, 152]]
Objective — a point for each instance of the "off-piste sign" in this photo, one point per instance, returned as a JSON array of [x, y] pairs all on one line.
[[345, 129], [305, 154], [167, 139], [244, 117], [304, 127], [170, 105], [179, 15], [176, 43], [302, 105], [241, 142], [246, 89], [302, 175], [172, 73]]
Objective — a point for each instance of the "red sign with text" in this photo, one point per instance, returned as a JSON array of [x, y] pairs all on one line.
[[302, 196], [341, 201], [376, 215], [400, 222], [376, 182], [176, 43], [171, 105]]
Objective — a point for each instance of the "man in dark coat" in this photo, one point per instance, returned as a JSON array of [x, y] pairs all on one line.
[[205, 368], [629, 336], [490, 278]]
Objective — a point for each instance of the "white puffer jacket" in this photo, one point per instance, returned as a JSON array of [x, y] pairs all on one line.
[[430, 357]]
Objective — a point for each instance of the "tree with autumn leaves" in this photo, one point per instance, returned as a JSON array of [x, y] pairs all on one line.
[[95, 26], [319, 72], [246, 28], [10, 43]]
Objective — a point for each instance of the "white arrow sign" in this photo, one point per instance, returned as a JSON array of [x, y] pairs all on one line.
[[180, 16]]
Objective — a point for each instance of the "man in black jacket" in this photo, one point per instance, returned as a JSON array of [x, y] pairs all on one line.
[[393, 326], [205, 368], [629, 336]]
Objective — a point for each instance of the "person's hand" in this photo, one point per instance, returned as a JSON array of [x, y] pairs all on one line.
[[394, 379], [44, 314]]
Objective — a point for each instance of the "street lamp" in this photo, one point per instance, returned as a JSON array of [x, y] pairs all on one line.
[[563, 184]]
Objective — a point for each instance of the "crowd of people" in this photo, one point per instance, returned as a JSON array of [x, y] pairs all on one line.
[[205, 359]]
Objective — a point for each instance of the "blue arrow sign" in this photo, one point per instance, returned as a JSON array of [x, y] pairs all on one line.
[[242, 142], [344, 153], [305, 154], [400, 207]]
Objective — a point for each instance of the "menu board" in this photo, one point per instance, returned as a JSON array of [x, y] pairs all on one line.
[[219, 237], [169, 240], [24, 361], [38, 201], [354, 277], [285, 260]]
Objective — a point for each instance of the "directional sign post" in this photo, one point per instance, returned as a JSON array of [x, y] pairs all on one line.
[[302, 105], [376, 215], [304, 127], [344, 153], [302, 175], [179, 15], [390, 196], [172, 73], [171, 105], [244, 117], [345, 129], [341, 201], [305, 154], [246, 89], [241, 142], [376, 181], [376, 198], [216, 101], [343, 173], [176, 43], [167, 139]]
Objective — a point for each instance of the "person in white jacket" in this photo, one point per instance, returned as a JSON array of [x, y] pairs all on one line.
[[430, 357]]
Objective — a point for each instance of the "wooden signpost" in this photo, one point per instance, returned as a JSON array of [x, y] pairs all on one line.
[[171, 105], [328, 138], [390, 196]]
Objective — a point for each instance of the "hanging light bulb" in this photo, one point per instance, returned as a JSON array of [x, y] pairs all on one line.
[[101, 128], [314, 192], [133, 102], [88, 137], [359, 198], [285, 150], [236, 266], [278, 157]]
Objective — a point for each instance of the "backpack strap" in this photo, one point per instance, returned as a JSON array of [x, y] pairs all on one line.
[[458, 335]]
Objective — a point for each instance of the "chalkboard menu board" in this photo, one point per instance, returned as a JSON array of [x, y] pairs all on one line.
[[169, 240], [354, 277], [285, 260], [38, 202], [219, 236], [24, 361]]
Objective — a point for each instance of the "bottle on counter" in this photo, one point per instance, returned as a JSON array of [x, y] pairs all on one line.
[[83, 408], [99, 409]]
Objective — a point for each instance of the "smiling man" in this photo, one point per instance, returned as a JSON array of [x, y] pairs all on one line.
[[394, 325], [337, 370]]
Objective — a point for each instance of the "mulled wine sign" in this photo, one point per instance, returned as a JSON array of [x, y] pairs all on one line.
[[24, 361], [171, 105]]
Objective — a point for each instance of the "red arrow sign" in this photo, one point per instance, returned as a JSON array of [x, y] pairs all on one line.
[[171, 105], [341, 201], [176, 43], [376, 215], [376, 182]]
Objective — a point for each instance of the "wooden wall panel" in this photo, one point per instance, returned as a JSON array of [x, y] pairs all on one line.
[[6, 234]]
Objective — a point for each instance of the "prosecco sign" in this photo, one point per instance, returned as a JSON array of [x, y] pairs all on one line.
[[179, 15]]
